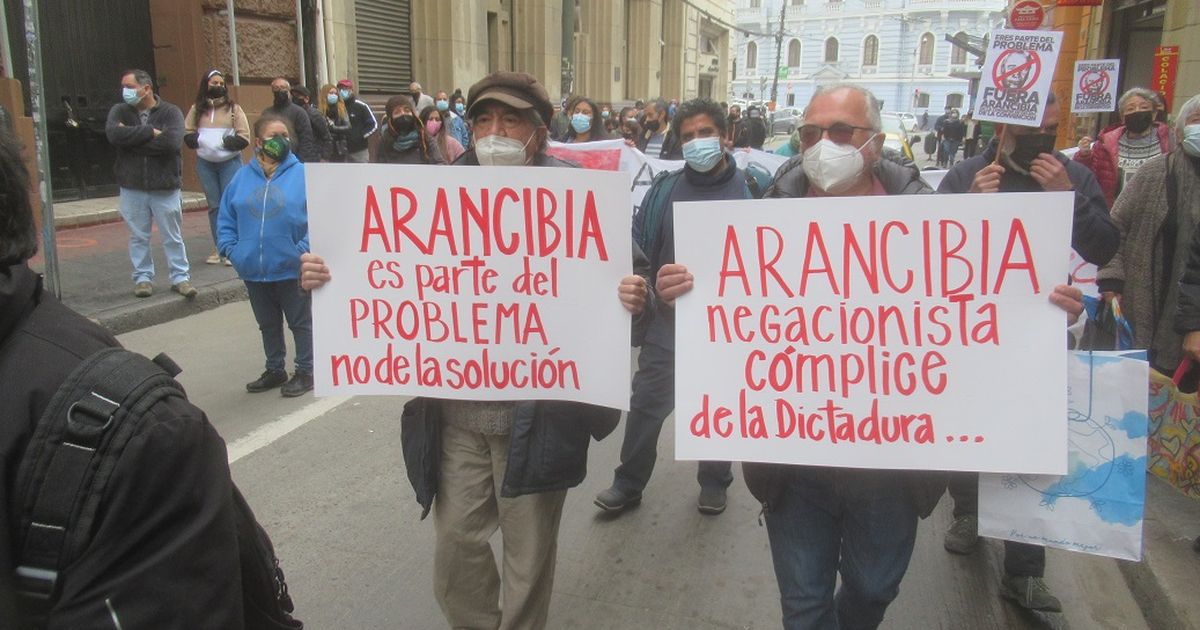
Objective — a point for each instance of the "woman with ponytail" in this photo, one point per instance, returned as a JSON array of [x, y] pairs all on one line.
[[217, 129]]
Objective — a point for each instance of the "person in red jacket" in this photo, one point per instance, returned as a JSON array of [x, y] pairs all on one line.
[[1115, 156]]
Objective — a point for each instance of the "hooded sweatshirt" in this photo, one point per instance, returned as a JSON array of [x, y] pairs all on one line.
[[263, 223]]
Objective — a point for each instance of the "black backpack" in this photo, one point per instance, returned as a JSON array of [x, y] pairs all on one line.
[[65, 469]]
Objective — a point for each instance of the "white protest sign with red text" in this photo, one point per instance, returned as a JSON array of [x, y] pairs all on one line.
[[896, 332], [1017, 75], [1095, 86], [477, 283]]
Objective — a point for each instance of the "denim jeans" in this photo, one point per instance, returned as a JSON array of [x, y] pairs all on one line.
[[950, 148], [860, 523], [271, 303], [1019, 558], [142, 209], [652, 401], [214, 178]]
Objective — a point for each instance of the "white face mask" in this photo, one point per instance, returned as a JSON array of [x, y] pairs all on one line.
[[497, 150], [833, 167]]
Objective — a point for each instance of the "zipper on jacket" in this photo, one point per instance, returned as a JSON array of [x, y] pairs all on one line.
[[262, 225]]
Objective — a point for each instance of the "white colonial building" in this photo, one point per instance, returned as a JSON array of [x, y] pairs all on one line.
[[899, 49]]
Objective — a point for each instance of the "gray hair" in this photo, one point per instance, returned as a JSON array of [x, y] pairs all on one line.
[[140, 76], [1137, 92], [873, 104], [1191, 107]]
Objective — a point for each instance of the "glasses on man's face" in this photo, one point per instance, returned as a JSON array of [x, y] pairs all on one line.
[[487, 121], [840, 133]]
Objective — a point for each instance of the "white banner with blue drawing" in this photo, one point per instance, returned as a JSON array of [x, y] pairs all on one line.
[[1097, 506]]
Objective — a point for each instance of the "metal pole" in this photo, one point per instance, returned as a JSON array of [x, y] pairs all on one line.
[[4, 42], [37, 97], [778, 53], [233, 56], [300, 42]]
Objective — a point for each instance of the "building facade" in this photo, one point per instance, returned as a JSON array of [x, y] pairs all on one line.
[[899, 49]]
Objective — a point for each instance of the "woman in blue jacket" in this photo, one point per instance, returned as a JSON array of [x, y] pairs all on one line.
[[263, 229]]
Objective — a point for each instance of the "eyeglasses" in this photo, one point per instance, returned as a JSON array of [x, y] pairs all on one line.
[[840, 133], [487, 120]]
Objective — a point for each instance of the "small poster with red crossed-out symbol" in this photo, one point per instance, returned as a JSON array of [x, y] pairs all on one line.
[[1095, 86], [1016, 76]]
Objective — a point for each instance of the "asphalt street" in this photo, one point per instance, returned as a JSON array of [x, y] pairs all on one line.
[[325, 477]]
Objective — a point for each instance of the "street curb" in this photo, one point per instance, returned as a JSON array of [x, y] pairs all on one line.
[[1152, 598], [112, 215], [170, 307]]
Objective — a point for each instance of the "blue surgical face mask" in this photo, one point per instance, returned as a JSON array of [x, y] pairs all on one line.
[[331, 99], [345, 94], [443, 105], [702, 154], [130, 95], [460, 108], [1191, 140], [581, 122]]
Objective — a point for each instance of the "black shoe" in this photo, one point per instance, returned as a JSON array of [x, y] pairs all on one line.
[[711, 501], [615, 501], [301, 382], [270, 379]]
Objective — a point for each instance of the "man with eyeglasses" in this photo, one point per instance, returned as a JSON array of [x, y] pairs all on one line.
[[822, 521], [487, 465]]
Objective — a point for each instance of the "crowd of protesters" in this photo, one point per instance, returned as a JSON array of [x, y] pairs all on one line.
[[822, 523]]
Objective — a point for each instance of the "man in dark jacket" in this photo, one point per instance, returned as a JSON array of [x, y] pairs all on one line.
[[306, 145], [824, 521], [318, 121], [751, 130], [362, 123], [953, 132], [709, 174], [150, 538], [658, 139], [148, 132], [456, 451], [1028, 163]]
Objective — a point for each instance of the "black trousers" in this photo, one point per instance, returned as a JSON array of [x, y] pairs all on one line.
[[1019, 558]]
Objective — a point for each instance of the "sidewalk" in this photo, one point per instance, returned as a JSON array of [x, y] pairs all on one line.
[[73, 214], [94, 268]]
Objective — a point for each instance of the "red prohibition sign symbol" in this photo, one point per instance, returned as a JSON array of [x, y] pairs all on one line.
[[1016, 70], [1094, 82]]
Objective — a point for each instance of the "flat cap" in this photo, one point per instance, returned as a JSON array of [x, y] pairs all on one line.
[[515, 89]]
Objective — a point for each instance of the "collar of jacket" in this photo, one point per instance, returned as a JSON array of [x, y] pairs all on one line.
[[20, 289], [708, 180], [287, 163]]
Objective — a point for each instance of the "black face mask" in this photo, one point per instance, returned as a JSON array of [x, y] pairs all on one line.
[[216, 91], [403, 124], [1029, 147], [651, 125], [416, 96], [1139, 122], [282, 99], [297, 100]]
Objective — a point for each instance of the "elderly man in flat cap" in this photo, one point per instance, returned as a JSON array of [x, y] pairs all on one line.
[[487, 465]]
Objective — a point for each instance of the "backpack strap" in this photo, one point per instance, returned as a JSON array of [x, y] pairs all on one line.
[[70, 457]]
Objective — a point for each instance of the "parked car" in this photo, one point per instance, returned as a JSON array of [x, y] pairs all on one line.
[[785, 120], [897, 134]]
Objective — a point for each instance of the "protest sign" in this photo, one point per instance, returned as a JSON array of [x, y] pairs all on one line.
[[478, 283], [1095, 86], [1017, 75], [1097, 507], [910, 332]]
